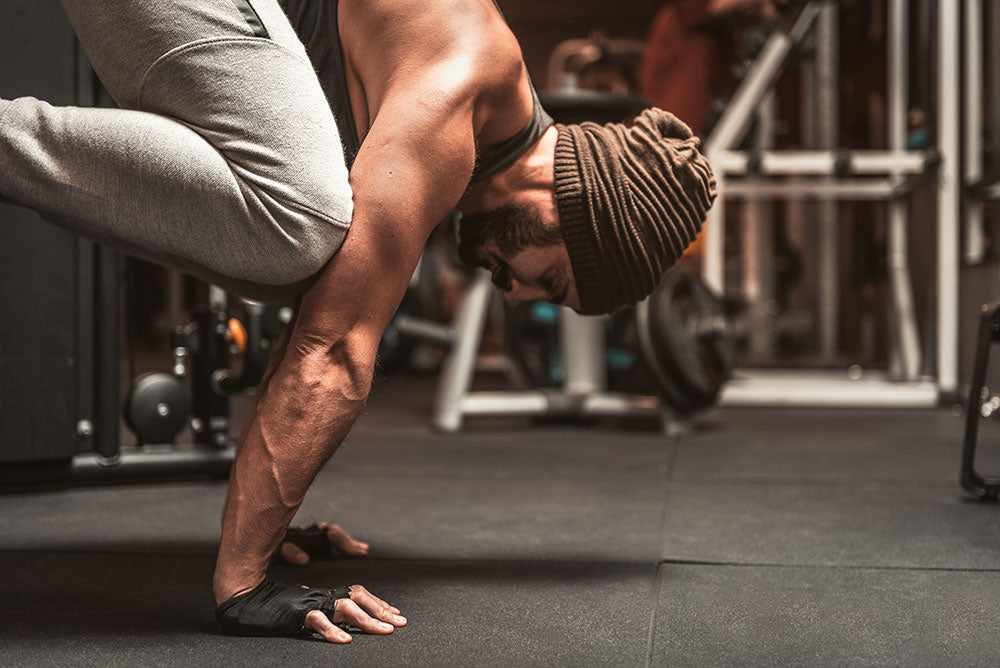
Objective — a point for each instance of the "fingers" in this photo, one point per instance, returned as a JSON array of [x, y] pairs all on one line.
[[293, 554], [321, 624], [349, 611], [376, 607], [342, 541]]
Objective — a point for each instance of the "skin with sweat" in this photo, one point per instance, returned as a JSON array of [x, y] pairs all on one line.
[[433, 84]]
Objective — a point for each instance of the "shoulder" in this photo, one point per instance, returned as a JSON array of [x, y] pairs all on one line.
[[462, 46]]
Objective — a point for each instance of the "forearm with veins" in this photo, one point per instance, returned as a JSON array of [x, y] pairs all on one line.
[[302, 415]]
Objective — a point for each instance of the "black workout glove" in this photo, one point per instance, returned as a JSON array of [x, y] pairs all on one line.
[[313, 540], [276, 609]]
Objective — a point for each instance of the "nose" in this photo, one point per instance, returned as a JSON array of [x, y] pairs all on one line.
[[519, 292]]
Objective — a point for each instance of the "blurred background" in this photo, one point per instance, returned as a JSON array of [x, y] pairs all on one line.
[[845, 262]]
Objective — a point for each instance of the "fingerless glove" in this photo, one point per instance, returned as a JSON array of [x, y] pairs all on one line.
[[277, 609], [313, 540]]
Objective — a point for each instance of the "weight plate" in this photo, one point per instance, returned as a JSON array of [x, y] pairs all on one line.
[[687, 340], [694, 333], [157, 408]]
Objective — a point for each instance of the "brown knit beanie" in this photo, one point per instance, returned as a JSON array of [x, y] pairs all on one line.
[[630, 200]]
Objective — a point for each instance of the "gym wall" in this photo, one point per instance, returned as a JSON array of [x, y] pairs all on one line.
[[51, 344]]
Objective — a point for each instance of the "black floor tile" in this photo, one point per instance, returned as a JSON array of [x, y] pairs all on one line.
[[748, 616], [128, 610], [519, 515], [840, 445], [543, 453], [837, 525], [447, 518], [163, 518]]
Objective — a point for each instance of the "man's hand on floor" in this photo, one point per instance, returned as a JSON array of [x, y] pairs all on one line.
[[363, 610], [321, 540], [278, 609]]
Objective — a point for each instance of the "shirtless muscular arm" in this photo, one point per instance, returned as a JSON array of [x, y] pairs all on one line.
[[414, 165]]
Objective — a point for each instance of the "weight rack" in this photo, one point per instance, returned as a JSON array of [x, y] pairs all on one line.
[[829, 175]]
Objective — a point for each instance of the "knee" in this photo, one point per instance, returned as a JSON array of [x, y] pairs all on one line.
[[309, 238]]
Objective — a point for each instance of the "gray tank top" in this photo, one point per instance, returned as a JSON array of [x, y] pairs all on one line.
[[315, 22]]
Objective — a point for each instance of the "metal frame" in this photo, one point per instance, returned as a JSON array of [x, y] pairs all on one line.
[[973, 167], [827, 110], [829, 175], [583, 394], [907, 337], [824, 162], [85, 286], [825, 175], [949, 194], [983, 486]]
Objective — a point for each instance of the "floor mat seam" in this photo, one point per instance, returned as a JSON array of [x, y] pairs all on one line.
[[828, 567], [388, 560], [658, 581]]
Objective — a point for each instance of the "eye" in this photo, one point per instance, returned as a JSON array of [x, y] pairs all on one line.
[[501, 278]]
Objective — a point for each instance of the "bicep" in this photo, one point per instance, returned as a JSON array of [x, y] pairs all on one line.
[[412, 168]]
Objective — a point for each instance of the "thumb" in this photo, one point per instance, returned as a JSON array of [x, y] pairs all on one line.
[[293, 554]]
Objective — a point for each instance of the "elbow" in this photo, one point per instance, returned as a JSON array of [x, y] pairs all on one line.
[[344, 365]]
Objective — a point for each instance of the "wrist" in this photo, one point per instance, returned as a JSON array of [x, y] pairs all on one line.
[[226, 586]]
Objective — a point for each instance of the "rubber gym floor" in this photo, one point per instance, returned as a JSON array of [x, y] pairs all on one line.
[[766, 537]]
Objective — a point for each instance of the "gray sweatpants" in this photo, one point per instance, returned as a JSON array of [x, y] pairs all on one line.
[[224, 159]]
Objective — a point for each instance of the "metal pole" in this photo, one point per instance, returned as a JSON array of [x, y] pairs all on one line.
[[582, 341], [456, 374], [973, 47], [758, 245], [714, 265], [761, 75], [801, 212], [733, 124], [135, 466], [949, 194], [993, 87], [87, 314], [824, 163], [908, 343], [828, 123]]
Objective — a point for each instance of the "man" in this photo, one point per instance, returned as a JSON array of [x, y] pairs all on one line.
[[225, 160]]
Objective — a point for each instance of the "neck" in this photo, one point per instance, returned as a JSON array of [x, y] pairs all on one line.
[[528, 181]]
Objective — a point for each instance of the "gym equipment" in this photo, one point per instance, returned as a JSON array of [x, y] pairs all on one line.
[[687, 341], [156, 408], [571, 58], [980, 405], [827, 175], [678, 344], [532, 340], [58, 292], [577, 106], [211, 346]]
